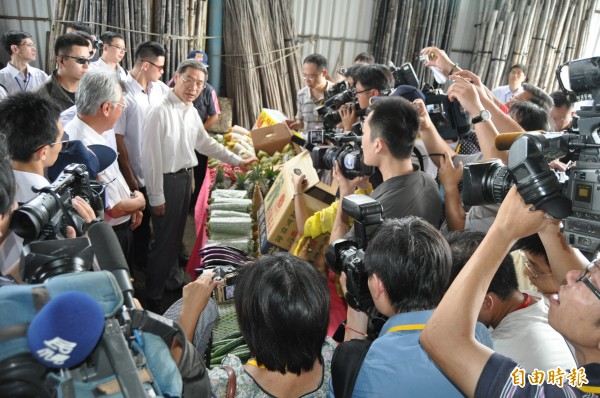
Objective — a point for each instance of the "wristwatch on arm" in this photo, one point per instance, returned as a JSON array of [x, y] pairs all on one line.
[[483, 116]]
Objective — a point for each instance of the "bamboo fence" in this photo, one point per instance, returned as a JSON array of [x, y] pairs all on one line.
[[540, 34], [262, 60], [177, 24], [403, 27]]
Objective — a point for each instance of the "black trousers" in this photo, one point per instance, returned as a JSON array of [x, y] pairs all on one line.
[[168, 231]]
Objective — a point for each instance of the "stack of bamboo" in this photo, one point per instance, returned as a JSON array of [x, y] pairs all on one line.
[[177, 24], [540, 34], [403, 27], [262, 70]]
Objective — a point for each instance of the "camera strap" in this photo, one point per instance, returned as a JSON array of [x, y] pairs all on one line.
[[405, 328]]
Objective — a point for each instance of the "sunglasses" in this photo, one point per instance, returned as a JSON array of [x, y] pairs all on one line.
[[64, 143], [79, 60]]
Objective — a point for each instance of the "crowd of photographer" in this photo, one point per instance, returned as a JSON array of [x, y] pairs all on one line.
[[432, 300]]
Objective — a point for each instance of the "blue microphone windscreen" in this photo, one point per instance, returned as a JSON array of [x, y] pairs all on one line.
[[66, 330]]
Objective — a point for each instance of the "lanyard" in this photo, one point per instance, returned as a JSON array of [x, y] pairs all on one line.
[[27, 80], [418, 326]]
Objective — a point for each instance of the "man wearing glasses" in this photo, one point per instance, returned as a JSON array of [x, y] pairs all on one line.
[[99, 105], [312, 95], [113, 51], [73, 58], [173, 130], [144, 89], [574, 312], [18, 76], [33, 144]]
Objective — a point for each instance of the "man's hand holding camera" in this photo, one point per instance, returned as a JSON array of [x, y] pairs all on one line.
[[348, 116]]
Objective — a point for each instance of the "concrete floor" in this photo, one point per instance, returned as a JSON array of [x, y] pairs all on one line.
[[189, 239]]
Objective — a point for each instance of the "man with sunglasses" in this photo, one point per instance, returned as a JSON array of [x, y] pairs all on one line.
[[574, 312], [173, 131], [18, 76], [72, 58], [113, 51], [143, 89]]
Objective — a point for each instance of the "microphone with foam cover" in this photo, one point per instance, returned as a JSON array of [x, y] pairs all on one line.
[[66, 330], [110, 257], [504, 141]]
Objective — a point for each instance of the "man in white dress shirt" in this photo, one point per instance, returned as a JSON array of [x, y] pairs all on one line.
[[113, 51], [143, 90], [173, 130], [516, 77], [18, 75], [99, 104]]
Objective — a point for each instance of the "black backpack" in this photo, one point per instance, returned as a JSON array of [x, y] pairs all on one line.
[[345, 365]]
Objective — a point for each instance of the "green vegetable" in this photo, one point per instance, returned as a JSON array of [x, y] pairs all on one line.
[[229, 347]]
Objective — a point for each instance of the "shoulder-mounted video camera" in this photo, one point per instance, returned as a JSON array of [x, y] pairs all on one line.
[[577, 200]]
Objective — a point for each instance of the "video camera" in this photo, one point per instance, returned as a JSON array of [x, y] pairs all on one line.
[[348, 255], [576, 201], [337, 88], [404, 75], [448, 117], [346, 149], [47, 216]]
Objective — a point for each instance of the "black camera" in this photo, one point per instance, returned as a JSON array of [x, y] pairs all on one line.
[[575, 200], [336, 89], [448, 117], [330, 113], [47, 215], [404, 75], [347, 150], [348, 255]]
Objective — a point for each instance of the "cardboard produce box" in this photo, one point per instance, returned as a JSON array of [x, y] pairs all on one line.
[[276, 218], [271, 138], [269, 117]]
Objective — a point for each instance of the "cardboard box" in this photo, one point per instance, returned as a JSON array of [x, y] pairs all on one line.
[[269, 117], [277, 227], [271, 138]]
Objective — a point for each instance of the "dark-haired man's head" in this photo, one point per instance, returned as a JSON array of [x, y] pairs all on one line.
[[72, 55], [391, 127], [516, 76], [19, 45], [371, 81], [408, 263], [533, 94], [562, 110], [113, 49], [150, 59], [504, 285], [78, 26], [530, 116], [537, 266], [32, 128], [7, 191], [314, 70], [364, 58]]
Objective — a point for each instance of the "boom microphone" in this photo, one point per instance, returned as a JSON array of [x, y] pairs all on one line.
[[66, 330], [504, 141], [110, 258]]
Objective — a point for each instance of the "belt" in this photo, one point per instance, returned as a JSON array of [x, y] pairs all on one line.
[[122, 226], [182, 171]]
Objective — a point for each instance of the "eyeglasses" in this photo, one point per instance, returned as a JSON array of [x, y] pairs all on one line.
[[122, 104], [530, 269], [159, 67], [188, 81], [30, 45], [586, 279], [65, 142], [79, 60], [310, 77], [123, 49], [363, 91]]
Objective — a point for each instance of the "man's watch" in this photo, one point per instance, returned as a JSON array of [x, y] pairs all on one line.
[[484, 115]]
